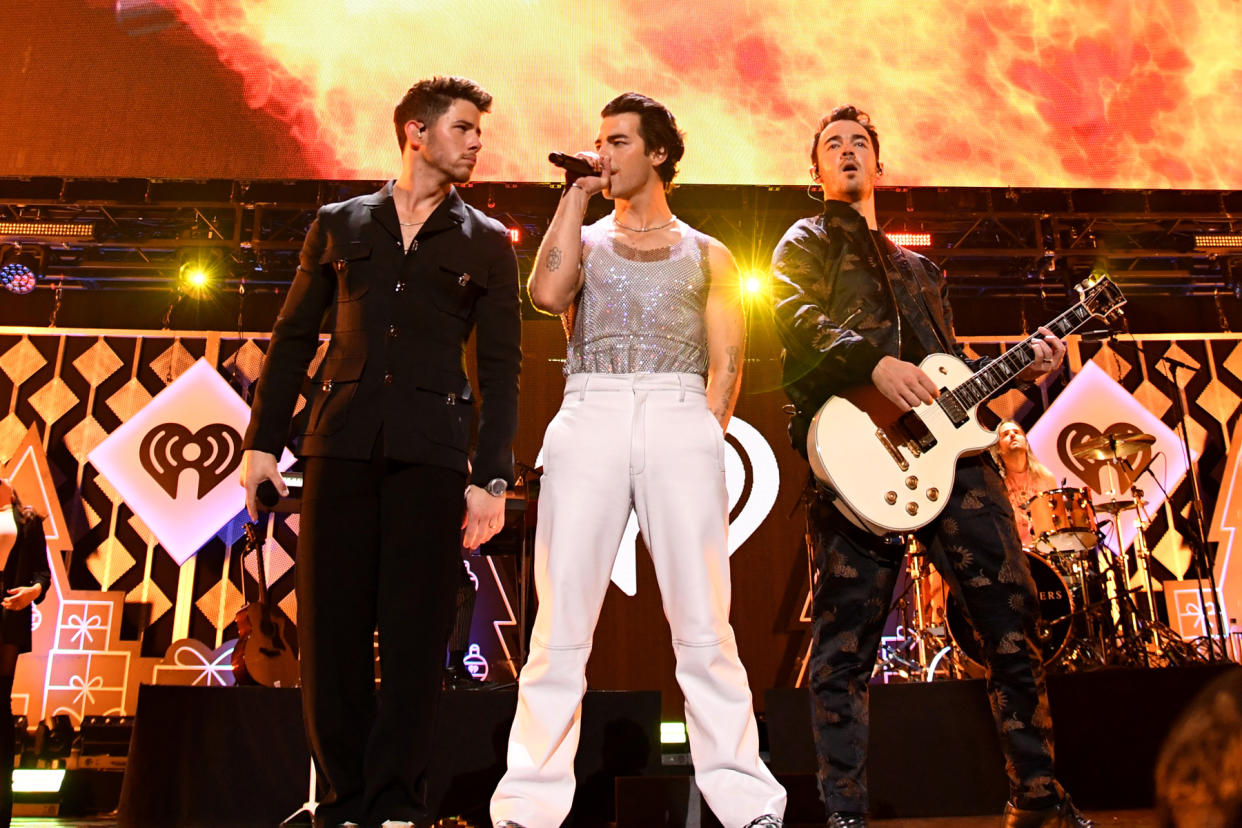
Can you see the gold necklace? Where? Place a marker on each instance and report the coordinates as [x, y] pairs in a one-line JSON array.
[[642, 229]]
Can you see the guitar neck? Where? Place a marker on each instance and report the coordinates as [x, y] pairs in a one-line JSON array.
[[987, 381], [255, 544], [258, 554]]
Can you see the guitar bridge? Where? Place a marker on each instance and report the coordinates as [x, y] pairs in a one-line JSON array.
[[891, 449], [918, 436]]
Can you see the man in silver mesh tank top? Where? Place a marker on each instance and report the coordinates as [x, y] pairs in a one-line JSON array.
[[656, 335]]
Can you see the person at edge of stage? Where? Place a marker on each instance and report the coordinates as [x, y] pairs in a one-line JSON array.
[[405, 274], [26, 577], [1025, 477], [853, 308], [653, 314]]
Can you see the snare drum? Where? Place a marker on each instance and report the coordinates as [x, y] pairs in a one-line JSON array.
[[1055, 605], [1062, 520]]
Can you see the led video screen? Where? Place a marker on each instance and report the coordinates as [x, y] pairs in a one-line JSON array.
[[1024, 93]]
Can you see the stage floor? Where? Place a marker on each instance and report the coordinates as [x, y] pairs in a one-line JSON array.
[[1103, 819]]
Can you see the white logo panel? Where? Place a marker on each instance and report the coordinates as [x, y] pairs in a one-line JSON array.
[[175, 461]]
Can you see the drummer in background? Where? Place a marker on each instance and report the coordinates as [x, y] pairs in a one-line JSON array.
[[1025, 476]]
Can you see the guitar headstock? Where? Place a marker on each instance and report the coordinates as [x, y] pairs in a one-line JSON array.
[[1101, 297], [253, 539]]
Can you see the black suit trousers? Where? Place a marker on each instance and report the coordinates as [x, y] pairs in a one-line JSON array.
[[974, 545], [379, 548]]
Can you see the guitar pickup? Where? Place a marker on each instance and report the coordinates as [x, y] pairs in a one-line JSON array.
[[952, 408], [919, 436]]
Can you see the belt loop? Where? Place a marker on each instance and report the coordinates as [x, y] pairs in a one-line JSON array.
[[681, 384], [586, 378]]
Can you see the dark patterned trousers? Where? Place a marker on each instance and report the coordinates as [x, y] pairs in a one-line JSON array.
[[975, 547]]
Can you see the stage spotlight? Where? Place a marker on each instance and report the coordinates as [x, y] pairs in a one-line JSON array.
[[908, 239], [1218, 241], [754, 283], [20, 268], [673, 733], [195, 278], [28, 230], [38, 780], [198, 271], [515, 235]]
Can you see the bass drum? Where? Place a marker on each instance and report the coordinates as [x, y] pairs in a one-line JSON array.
[[1052, 629]]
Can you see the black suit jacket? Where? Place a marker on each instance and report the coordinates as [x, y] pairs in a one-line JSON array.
[[27, 565], [399, 324]]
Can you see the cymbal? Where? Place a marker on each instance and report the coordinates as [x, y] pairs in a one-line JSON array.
[[1112, 446], [1114, 507]]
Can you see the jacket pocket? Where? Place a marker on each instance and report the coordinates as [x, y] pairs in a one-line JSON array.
[[444, 419], [345, 258], [336, 384], [455, 289]]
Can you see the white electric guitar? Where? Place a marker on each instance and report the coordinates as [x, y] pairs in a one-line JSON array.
[[893, 472]]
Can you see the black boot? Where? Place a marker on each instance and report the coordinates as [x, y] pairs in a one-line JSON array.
[[1061, 815]]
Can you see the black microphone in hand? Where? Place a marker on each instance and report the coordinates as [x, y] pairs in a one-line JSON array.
[[267, 495], [572, 165]]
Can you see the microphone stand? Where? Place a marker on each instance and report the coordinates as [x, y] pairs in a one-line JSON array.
[[1197, 534]]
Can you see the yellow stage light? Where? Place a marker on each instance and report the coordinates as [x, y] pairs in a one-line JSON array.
[[754, 282]]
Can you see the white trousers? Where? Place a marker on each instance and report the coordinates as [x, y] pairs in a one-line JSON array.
[[646, 442]]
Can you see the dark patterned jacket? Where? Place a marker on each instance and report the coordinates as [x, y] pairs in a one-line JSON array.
[[399, 323], [836, 295]]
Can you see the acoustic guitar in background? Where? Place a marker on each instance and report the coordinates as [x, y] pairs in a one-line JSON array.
[[267, 645]]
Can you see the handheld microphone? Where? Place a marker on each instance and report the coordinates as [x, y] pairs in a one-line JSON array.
[[269, 497], [572, 165]]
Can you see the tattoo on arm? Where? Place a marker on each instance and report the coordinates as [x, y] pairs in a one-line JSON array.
[[554, 259], [732, 351]]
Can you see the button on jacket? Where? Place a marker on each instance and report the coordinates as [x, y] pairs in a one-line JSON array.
[[399, 322]]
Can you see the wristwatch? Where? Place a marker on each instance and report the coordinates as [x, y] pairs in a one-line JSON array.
[[496, 487]]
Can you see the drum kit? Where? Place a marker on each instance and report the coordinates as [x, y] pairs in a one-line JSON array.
[[1088, 614]]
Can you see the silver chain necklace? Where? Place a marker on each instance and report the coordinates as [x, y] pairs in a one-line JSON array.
[[642, 229]]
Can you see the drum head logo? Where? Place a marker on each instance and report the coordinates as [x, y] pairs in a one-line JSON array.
[[213, 453], [175, 461], [1094, 471]]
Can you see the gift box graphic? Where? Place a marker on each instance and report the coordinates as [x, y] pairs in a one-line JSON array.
[[86, 684], [84, 625], [191, 662]]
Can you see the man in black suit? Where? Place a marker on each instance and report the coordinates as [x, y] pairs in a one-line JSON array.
[[403, 275]]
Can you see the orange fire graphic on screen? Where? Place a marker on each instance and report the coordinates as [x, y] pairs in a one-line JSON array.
[[1036, 93]]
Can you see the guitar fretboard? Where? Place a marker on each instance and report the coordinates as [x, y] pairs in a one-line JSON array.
[[1005, 367]]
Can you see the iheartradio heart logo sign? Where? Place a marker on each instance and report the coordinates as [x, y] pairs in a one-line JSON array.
[[175, 461], [1098, 473], [1094, 405]]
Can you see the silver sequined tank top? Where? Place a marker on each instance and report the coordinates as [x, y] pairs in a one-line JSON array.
[[640, 311]]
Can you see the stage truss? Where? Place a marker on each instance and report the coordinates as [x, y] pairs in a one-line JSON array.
[[136, 234]]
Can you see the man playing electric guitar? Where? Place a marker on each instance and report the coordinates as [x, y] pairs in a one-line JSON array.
[[853, 309]]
